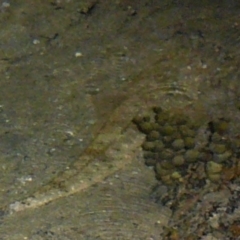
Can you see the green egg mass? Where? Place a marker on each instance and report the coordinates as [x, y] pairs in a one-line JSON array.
[[191, 155], [168, 130], [178, 160], [148, 146], [221, 126], [178, 144], [166, 154], [186, 131], [173, 147], [153, 135], [157, 110], [145, 127], [162, 118], [162, 171], [189, 142], [166, 164], [217, 148], [159, 146], [156, 126], [220, 158]]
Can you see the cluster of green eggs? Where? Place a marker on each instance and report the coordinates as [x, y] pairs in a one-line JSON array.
[[173, 148]]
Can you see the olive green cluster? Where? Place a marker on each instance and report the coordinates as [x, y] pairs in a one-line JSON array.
[[221, 149], [172, 147]]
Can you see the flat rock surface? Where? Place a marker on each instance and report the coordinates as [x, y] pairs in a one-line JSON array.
[[73, 75]]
